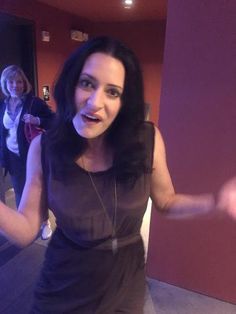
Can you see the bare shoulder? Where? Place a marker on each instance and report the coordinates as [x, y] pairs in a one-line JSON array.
[[158, 135]]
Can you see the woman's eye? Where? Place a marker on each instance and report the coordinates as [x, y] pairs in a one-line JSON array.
[[84, 83], [113, 93]]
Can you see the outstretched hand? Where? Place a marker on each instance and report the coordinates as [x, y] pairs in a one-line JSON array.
[[227, 198]]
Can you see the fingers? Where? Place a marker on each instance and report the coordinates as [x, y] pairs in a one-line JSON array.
[[28, 118]]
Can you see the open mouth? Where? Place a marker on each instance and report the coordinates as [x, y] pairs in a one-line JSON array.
[[90, 118]]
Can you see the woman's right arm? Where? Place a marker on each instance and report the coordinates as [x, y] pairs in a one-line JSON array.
[[21, 227]]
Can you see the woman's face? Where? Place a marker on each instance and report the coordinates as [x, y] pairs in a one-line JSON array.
[[98, 95], [15, 86]]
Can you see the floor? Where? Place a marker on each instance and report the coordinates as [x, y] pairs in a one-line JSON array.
[[162, 298], [167, 299]]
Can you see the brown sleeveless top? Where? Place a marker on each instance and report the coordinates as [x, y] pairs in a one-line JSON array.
[[79, 213], [80, 273]]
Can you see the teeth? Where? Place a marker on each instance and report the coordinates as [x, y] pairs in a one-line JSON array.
[[91, 117]]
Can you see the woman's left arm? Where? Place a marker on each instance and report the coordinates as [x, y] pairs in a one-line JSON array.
[[162, 191]]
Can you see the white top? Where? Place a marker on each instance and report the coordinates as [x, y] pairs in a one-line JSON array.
[[11, 126]]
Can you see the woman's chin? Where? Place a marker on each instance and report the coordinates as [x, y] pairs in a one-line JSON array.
[[90, 135]]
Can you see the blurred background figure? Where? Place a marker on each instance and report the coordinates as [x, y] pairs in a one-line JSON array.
[[19, 107]]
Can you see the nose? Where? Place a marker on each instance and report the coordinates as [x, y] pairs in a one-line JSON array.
[[96, 100]]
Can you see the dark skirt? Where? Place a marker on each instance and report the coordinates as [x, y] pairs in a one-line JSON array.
[[88, 281]]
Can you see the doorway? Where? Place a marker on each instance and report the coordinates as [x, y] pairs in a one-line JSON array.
[[17, 37]]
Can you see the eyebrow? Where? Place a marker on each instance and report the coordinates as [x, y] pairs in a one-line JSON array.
[[94, 79]]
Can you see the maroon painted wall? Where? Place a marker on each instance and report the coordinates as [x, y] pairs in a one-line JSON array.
[[49, 55], [146, 38], [198, 121]]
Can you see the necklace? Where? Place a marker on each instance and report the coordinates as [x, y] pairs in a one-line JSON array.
[[114, 243]]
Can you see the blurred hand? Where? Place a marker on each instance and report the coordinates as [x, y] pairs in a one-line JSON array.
[[227, 198], [29, 118]]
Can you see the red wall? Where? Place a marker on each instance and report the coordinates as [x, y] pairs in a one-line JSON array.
[[198, 121], [49, 55], [146, 38]]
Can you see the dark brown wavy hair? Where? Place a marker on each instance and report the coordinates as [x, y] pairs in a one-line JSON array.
[[124, 136]]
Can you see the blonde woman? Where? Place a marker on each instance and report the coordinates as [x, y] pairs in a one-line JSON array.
[[19, 107]]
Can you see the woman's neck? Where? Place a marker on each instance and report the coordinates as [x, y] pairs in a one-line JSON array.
[[97, 157], [13, 102], [14, 99], [96, 146]]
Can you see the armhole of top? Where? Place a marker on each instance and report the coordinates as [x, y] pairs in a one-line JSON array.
[[150, 140]]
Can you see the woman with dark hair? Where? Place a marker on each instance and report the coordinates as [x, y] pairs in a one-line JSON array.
[[96, 168], [19, 107]]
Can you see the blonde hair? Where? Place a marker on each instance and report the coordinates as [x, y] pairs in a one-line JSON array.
[[11, 72]]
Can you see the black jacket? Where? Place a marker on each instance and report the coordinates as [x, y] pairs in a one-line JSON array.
[[39, 109]]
